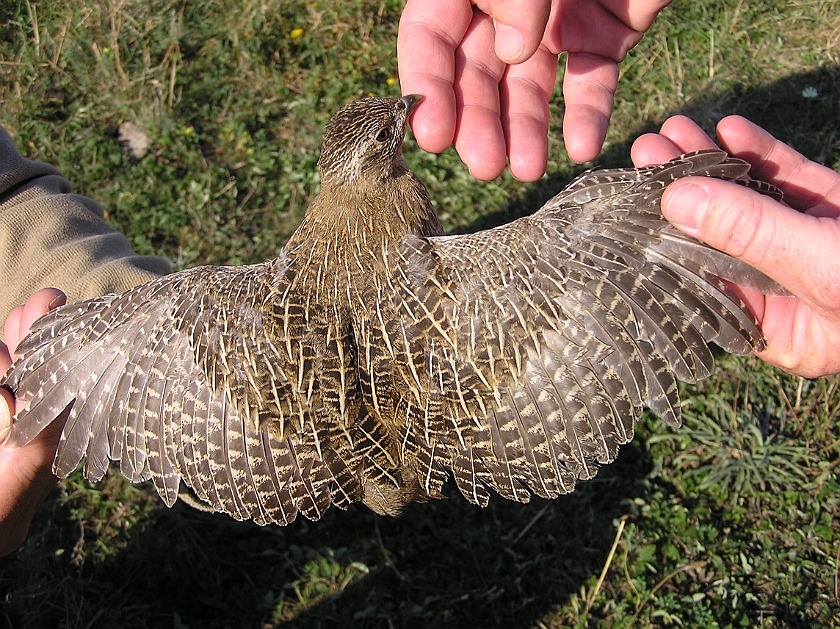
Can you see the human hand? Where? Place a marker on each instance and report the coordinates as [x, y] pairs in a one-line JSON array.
[[798, 249], [487, 87], [25, 474]]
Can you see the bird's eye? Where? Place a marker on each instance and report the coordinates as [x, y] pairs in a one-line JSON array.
[[384, 135]]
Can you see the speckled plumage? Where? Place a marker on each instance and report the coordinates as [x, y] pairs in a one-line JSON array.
[[375, 356]]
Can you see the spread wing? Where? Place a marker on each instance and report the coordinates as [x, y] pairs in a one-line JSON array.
[[193, 376], [521, 356]]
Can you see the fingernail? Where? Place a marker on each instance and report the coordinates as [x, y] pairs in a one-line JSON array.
[[509, 43], [686, 206], [58, 301]]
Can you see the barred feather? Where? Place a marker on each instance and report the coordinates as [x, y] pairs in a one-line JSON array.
[[375, 357]]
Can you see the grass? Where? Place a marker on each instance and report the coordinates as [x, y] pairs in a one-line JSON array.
[[733, 521]]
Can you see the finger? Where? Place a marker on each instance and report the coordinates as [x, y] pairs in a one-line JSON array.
[[39, 304], [652, 148], [589, 91], [637, 15], [678, 135], [11, 328], [7, 410], [806, 184], [479, 137], [790, 247], [5, 358], [800, 340], [519, 25], [429, 33], [525, 93], [7, 404], [686, 134], [589, 28]]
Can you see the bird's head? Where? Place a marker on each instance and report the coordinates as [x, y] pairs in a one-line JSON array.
[[363, 140]]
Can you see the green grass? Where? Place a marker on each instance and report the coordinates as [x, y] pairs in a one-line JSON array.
[[733, 521]]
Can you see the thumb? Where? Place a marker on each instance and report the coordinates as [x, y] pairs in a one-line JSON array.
[[520, 26], [784, 244]]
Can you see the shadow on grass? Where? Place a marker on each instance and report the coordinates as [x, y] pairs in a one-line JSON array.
[[447, 563]]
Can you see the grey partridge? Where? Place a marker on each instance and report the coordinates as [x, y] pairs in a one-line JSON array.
[[375, 357]]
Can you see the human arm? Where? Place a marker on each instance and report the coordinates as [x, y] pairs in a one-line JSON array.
[[488, 87], [52, 237], [796, 245]]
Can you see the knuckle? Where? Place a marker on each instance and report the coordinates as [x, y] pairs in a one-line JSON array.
[[740, 227]]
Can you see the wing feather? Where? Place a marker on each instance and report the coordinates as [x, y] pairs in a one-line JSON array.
[[169, 379], [547, 336], [516, 359]]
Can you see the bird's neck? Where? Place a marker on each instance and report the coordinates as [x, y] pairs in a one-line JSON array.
[[350, 235], [362, 220]]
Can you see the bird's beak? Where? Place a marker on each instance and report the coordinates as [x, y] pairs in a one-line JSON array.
[[411, 101]]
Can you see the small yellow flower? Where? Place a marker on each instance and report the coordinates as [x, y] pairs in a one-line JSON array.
[[188, 130], [296, 33], [391, 80], [106, 50]]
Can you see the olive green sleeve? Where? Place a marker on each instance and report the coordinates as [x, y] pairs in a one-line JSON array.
[[50, 237]]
